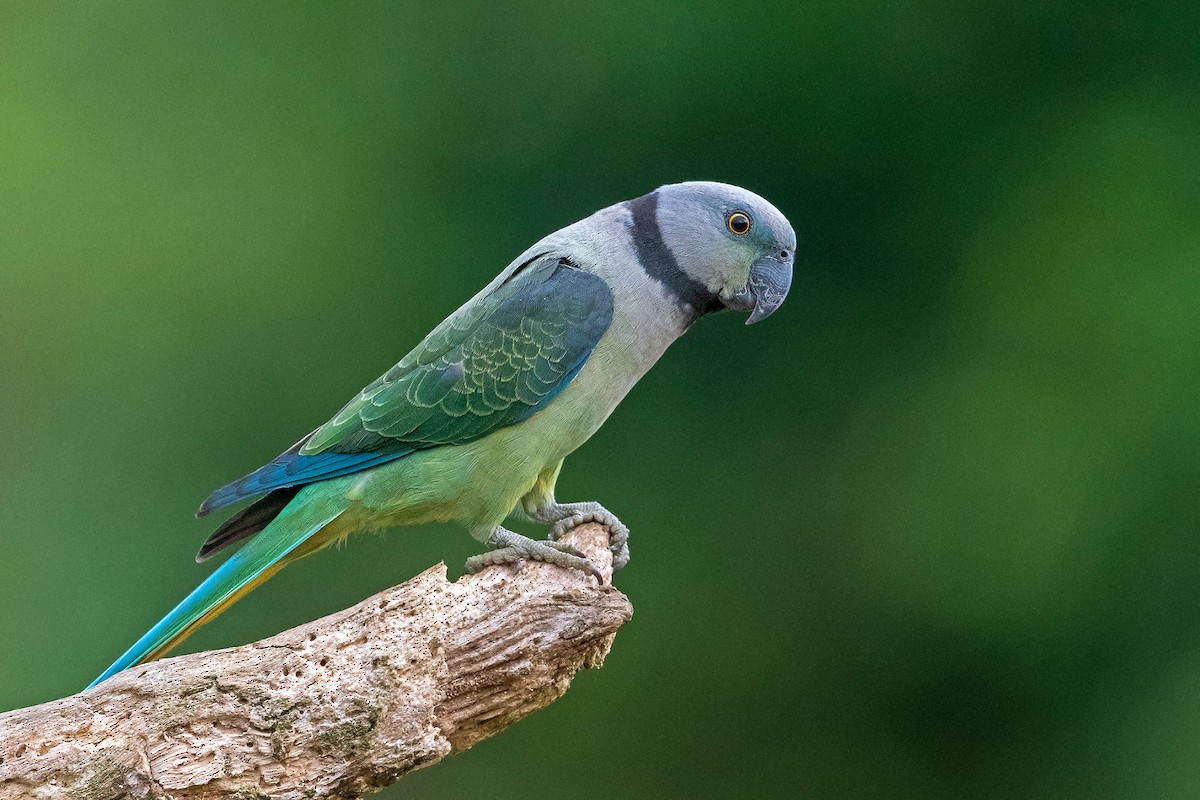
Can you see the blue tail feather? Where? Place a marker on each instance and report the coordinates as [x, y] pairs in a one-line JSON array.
[[292, 469], [246, 565]]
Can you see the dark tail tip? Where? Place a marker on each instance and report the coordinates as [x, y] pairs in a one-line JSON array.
[[247, 522], [221, 497]]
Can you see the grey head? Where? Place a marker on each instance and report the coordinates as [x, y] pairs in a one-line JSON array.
[[715, 246]]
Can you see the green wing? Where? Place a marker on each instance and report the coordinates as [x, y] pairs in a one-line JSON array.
[[494, 362]]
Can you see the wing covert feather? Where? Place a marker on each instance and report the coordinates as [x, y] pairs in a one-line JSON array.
[[493, 363]]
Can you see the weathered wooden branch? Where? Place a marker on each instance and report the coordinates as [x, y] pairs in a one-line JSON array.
[[334, 708]]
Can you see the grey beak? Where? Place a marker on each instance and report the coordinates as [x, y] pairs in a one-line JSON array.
[[770, 279]]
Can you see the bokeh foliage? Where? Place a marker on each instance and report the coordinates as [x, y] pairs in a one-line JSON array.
[[931, 531]]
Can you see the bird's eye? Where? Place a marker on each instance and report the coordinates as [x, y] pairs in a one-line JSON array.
[[738, 222]]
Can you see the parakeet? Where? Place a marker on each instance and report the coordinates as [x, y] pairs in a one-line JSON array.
[[475, 422]]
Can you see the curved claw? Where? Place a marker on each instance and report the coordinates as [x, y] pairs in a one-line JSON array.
[[576, 514], [512, 547], [621, 557], [566, 547]]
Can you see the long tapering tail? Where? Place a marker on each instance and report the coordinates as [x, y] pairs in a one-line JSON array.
[[257, 560]]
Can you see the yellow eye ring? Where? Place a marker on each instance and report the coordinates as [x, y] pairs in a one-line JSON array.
[[738, 223]]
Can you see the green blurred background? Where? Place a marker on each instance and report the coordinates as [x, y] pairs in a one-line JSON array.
[[931, 531]]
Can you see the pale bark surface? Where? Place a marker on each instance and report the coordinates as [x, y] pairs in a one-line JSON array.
[[334, 708]]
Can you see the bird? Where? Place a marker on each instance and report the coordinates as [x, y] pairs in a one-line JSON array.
[[474, 423]]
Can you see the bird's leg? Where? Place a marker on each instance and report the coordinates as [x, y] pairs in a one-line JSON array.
[[565, 516], [511, 547]]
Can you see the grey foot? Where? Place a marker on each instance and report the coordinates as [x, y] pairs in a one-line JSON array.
[[512, 547], [566, 516]]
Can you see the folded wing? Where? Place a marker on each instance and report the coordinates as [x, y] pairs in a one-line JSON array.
[[493, 363]]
